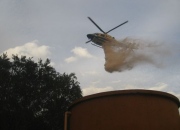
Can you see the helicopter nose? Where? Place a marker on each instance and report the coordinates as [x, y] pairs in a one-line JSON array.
[[90, 36]]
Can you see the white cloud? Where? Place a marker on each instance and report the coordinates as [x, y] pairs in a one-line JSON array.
[[81, 52], [159, 87], [78, 52], [70, 59], [92, 90], [30, 49]]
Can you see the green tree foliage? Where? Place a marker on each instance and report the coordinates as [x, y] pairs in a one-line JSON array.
[[33, 95]]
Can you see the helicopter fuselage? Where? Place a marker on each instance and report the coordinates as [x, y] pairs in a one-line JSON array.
[[100, 38]]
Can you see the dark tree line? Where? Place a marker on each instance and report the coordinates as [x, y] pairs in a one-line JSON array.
[[33, 96]]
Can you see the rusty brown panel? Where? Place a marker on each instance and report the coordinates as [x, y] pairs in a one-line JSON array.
[[126, 110]]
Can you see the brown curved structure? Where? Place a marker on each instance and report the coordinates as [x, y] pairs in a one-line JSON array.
[[125, 110]]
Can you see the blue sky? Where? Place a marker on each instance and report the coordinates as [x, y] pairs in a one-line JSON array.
[[57, 30]]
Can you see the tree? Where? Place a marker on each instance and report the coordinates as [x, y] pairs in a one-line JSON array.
[[33, 95]]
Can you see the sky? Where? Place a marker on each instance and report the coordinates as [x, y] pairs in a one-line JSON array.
[[57, 30]]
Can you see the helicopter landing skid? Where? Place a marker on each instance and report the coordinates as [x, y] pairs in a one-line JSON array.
[[96, 45]]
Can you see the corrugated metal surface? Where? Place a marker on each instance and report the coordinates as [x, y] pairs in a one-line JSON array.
[[125, 110]]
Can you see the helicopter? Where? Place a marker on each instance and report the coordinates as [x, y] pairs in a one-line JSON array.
[[100, 38]]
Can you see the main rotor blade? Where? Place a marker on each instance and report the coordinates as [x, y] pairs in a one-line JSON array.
[[117, 26], [96, 24]]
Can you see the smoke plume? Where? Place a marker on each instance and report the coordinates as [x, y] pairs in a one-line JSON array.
[[128, 53]]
